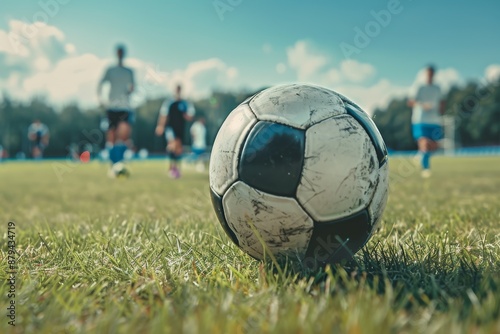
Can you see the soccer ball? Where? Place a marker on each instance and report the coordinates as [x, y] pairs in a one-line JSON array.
[[301, 172]]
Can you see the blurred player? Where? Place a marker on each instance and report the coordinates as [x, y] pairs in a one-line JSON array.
[[38, 135], [198, 141], [428, 107], [172, 122], [119, 112]]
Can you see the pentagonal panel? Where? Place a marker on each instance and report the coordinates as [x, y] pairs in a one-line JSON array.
[[272, 158], [297, 105], [338, 240], [219, 211], [372, 130], [227, 147], [377, 205], [278, 221], [340, 169]]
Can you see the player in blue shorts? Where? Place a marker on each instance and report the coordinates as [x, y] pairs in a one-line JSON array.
[[172, 123], [38, 134], [426, 119], [119, 112]]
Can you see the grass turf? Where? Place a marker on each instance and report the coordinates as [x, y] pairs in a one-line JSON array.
[[148, 255]]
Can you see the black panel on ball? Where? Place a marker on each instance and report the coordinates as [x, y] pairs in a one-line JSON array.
[[272, 158], [332, 242], [370, 127], [219, 211]]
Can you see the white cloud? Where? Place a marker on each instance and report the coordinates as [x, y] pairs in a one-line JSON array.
[[200, 77], [36, 59], [492, 72], [312, 65], [304, 60], [351, 77], [355, 71], [333, 77], [280, 68], [371, 97], [72, 79]]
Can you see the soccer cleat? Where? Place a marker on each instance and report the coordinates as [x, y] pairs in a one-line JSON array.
[[119, 170], [123, 173], [174, 173]]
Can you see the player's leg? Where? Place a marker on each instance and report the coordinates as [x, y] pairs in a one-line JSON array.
[[35, 152], [198, 158], [121, 136], [175, 155], [433, 133], [115, 142], [423, 147], [122, 140]]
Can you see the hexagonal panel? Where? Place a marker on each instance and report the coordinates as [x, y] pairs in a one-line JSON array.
[[379, 200], [255, 216], [227, 146], [337, 240], [340, 169], [297, 105], [372, 130], [219, 211], [272, 158]]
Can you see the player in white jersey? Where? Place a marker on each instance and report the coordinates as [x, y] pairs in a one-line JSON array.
[[199, 141], [38, 134], [119, 112], [428, 107]]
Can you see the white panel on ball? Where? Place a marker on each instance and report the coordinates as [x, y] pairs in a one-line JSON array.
[[283, 225], [299, 106], [227, 146], [379, 200], [340, 169]]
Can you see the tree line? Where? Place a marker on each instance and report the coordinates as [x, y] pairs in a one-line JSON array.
[[474, 107], [72, 127]]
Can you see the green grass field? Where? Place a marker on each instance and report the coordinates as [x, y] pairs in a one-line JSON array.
[[147, 255]]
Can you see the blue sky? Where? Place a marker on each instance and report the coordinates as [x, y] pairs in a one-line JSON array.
[[255, 42]]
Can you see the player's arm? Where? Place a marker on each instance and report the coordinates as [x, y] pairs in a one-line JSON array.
[[413, 101], [104, 79], [162, 118], [132, 82], [31, 133], [189, 114], [442, 107], [46, 136]]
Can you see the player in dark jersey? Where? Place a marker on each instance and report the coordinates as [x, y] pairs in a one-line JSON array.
[[172, 123]]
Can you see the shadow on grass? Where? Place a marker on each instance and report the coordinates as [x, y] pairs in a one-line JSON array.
[[445, 281]]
